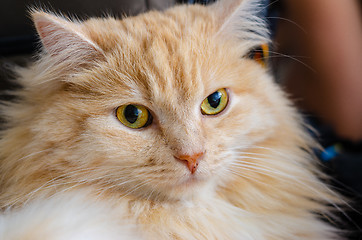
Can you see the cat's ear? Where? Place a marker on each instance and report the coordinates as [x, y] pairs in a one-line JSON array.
[[62, 37], [241, 19]]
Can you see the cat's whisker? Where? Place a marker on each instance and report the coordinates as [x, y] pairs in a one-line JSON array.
[[245, 175], [76, 175], [30, 195], [251, 148], [254, 165], [135, 188], [284, 155], [265, 158], [242, 158], [150, 193], [263, 171], [32, 154], [68, 189], [129, 191], [289, 21], [242, 153], [272, 150], [294, 56], [294, 59], [117, 184], [271, 172], [86, 180]]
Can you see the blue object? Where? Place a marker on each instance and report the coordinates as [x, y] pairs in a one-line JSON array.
[[330, 152]]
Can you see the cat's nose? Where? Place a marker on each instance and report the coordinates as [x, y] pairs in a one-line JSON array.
[[192, 161]]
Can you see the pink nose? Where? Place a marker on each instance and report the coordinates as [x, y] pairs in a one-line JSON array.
[[192, 161]]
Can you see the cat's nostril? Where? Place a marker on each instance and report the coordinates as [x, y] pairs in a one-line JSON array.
[[191, 161]]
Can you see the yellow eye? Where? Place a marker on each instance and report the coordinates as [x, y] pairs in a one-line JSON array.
[[260, 54], [215, 103], [134, 116]]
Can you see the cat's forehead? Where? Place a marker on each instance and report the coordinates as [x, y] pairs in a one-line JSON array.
[[160, 55], [172, 26]]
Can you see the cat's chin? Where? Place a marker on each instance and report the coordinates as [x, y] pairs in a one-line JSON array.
[[190, 186], [192, 180]]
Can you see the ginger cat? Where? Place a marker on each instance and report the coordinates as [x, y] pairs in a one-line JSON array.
[[166, 125]]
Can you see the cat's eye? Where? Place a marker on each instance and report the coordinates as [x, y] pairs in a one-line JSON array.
[[260, 54], [215, 103], [134, 116]]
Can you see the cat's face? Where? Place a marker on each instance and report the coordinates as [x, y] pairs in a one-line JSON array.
[[171, 66], [173, 86]]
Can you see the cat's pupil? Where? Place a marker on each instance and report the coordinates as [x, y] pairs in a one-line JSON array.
[[131, 113], [214, 99]]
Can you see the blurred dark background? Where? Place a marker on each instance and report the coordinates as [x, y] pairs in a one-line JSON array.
[[17, 33]]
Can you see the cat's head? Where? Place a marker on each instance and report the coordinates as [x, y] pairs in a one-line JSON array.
[[158, 105]]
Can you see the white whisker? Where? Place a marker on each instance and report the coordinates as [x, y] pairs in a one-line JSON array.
[[295, 59]]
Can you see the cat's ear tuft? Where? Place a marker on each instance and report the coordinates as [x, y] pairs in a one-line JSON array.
[[242, 19], [62, 37]]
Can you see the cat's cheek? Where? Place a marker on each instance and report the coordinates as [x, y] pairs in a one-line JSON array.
[[116, 142], [250, 120]]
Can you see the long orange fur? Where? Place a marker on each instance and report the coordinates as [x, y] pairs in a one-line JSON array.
[[256, 180]]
